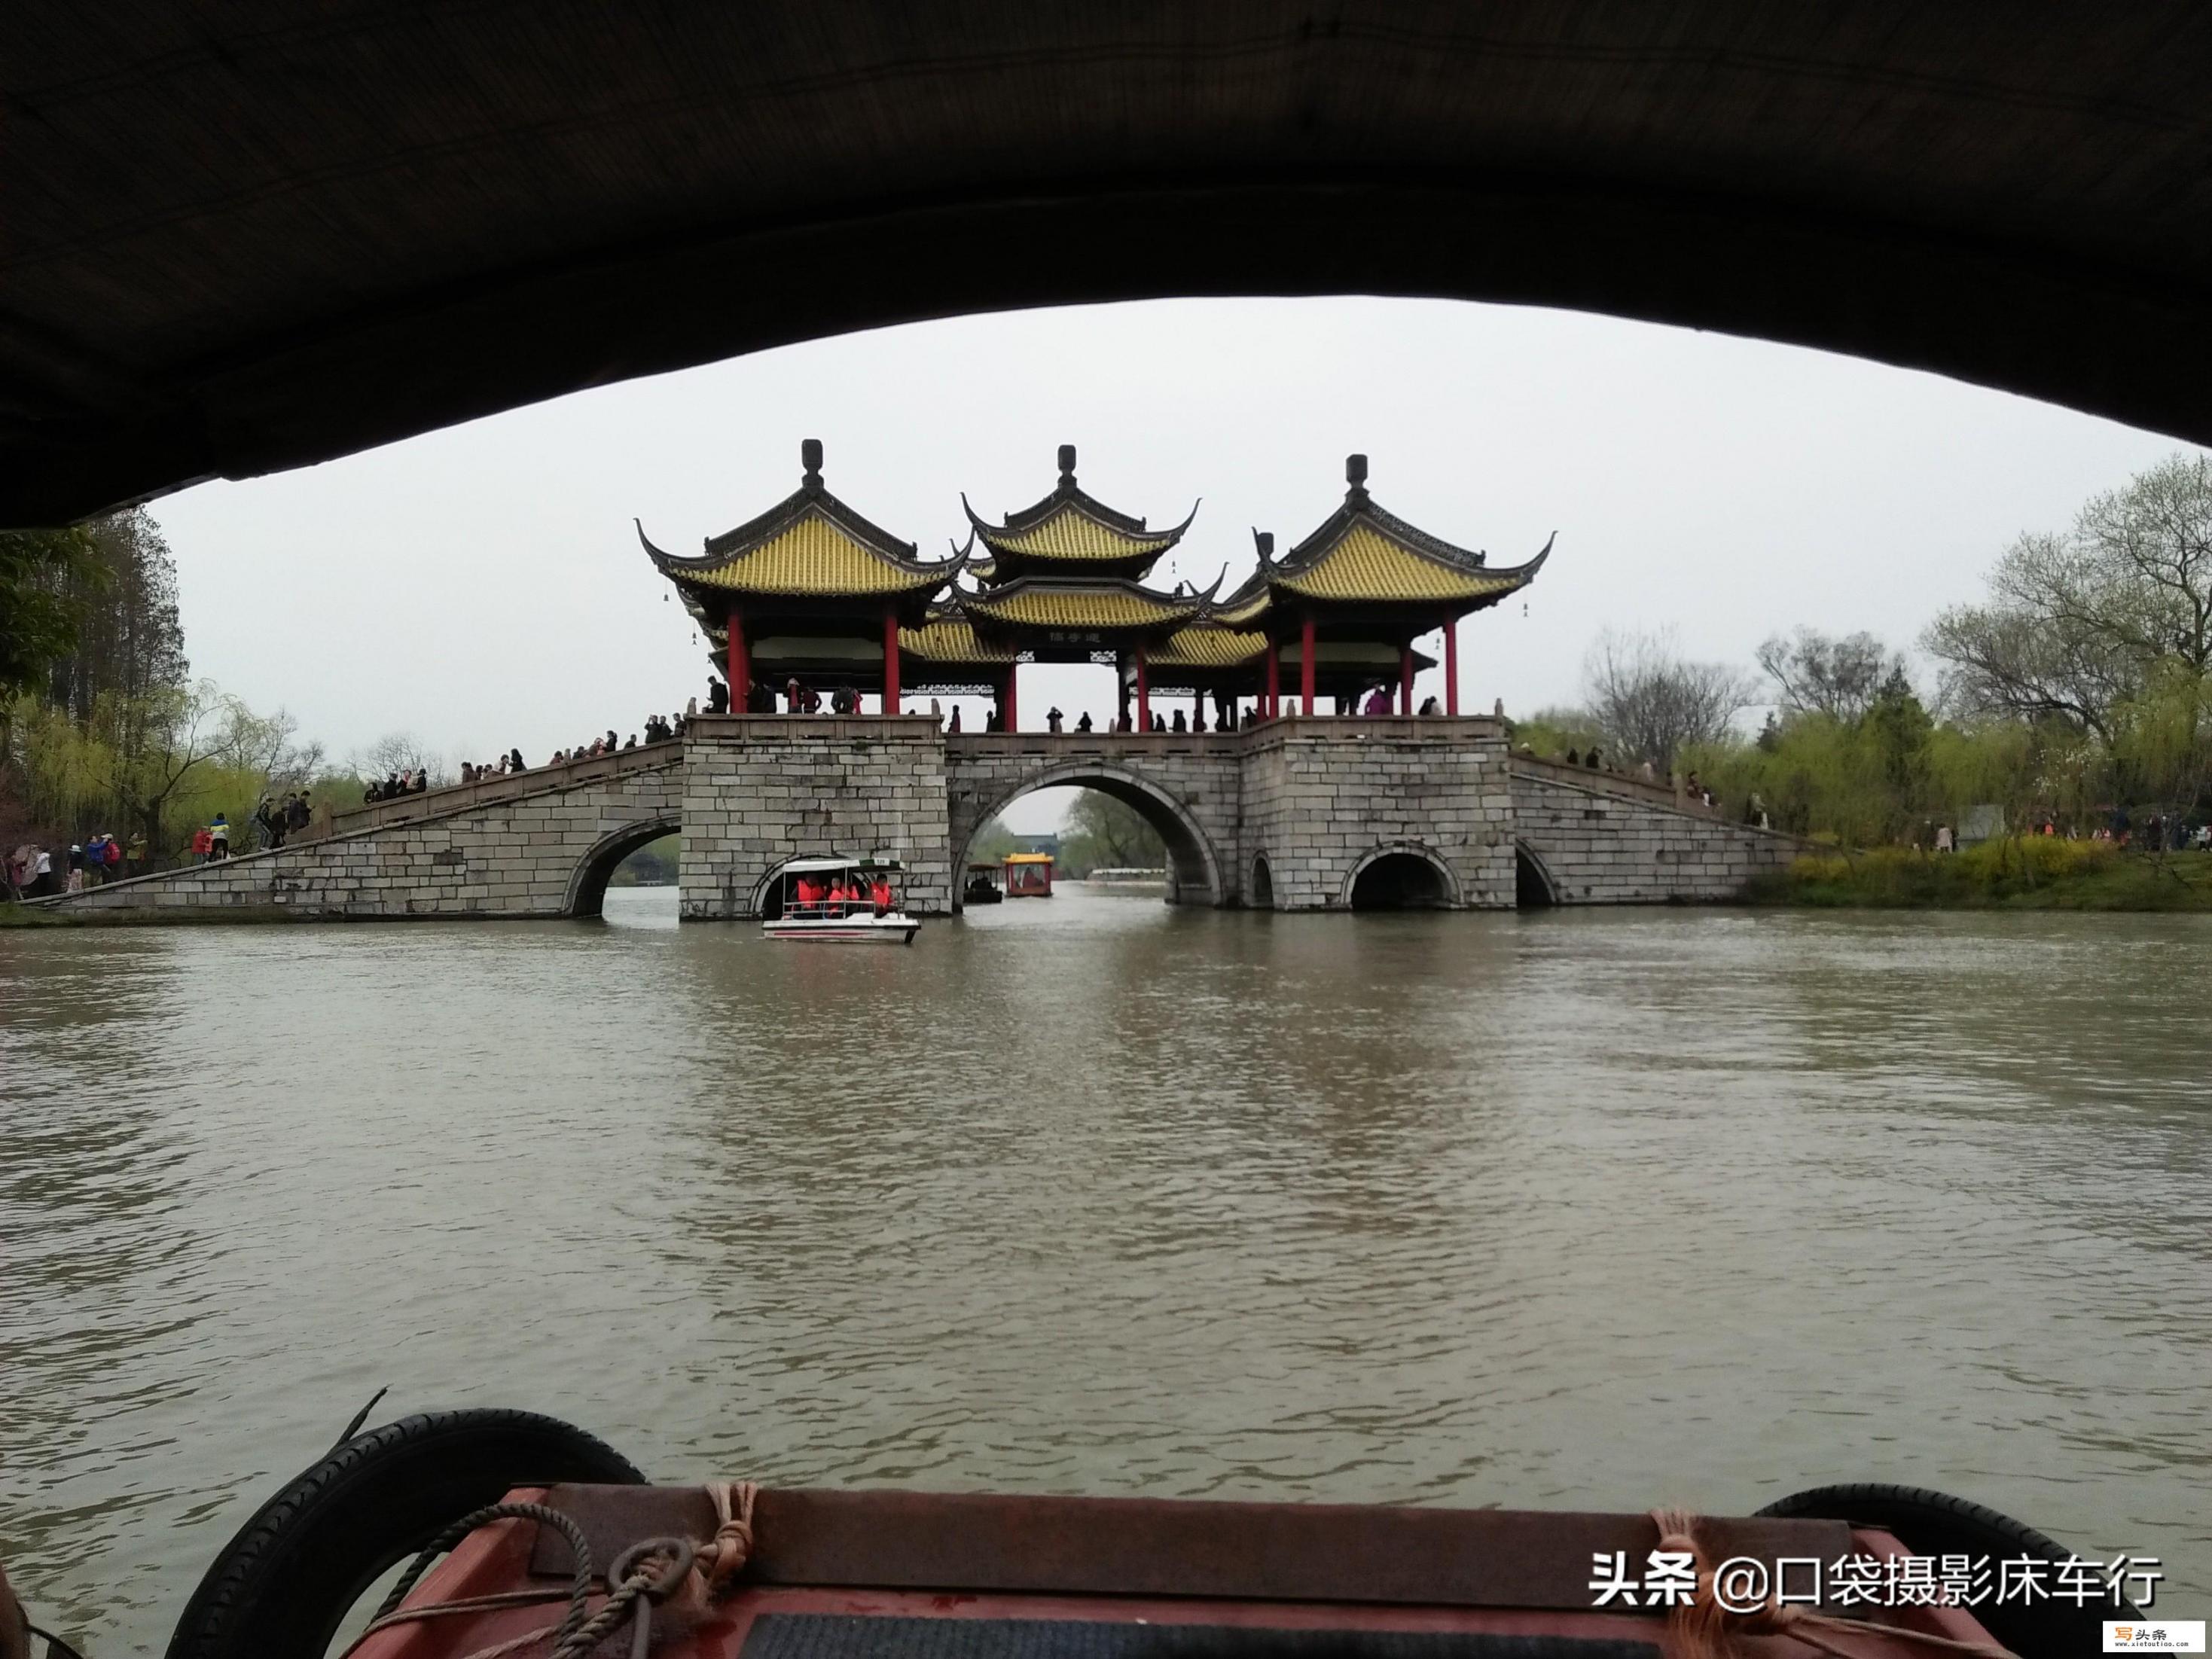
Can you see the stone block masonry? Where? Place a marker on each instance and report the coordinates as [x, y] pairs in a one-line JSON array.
[[759, 789], [534, 844], [1324, 797], [1595, 838]]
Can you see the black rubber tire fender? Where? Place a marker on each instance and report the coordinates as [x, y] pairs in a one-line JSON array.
[[283, 1585], [1930, 1523]]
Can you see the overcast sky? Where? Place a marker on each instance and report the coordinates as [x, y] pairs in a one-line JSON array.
[[482, 587]]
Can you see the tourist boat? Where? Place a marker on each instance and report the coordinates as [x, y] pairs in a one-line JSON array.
[[529, 1537], [1029, 875], [846, 921], [982, 886]]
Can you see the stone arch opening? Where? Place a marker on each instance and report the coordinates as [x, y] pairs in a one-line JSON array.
[[1193, 868], [1262, 895], [1533, 887], [1402, 877], [588, 886]]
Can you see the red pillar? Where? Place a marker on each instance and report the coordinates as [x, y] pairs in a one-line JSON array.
[[1144, 695], [1271, 704], [1451, 666], [1406, 678], [1011, 716], [739, 671], [1306, 664], [890, 662]]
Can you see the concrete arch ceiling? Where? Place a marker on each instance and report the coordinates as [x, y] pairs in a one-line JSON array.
[[247, 236]]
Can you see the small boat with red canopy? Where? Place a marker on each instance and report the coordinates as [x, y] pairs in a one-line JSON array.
[[534, 1539], [849, 901], [1028, 875]]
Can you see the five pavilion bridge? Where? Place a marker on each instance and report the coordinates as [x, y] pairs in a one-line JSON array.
[[1298, 813], [1278, 806]]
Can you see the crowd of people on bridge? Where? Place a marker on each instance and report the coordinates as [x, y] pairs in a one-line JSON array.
[[410, 781], [276, 822], [508, 764], [35, 872], [1229, 714]]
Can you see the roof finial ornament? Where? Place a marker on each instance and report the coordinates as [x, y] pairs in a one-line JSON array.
[[1355, 474], [1265, 541], [1067, 466], [810, 457]]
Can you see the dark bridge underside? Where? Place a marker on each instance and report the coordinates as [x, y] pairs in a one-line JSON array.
[[244, 237]]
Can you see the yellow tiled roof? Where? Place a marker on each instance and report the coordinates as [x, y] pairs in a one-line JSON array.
[[813, 556], [1367, 565], [1207, 648], [1073, 535], [1106, 607], [1251, 611], [947, 640]]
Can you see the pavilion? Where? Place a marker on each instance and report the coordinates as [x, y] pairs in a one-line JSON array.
[[812, 593], [1063, 580], [808, 591], [1344, 606]]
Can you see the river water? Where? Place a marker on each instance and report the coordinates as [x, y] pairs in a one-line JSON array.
[[1090, 1195]]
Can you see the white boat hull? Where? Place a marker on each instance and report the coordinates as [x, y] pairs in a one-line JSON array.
[[895, 928]]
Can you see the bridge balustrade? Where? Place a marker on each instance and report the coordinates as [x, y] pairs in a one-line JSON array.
[[458, 797]]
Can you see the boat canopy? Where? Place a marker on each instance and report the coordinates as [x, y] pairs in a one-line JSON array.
[[830, 866]]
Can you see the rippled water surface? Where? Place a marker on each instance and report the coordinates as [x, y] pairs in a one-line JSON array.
[[1580, 1210]]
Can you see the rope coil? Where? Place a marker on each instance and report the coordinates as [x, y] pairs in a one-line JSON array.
[[670, 1570]]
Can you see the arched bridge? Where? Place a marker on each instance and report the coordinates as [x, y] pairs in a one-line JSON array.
[[540, 843], [1298, 814]]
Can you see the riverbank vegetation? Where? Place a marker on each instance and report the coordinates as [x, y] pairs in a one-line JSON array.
[[2026, 872], [2071, 707], [104, 729]]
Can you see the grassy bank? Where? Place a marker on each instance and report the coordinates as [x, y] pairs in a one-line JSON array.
[[239, 916], [2031, 873], [22, 915]]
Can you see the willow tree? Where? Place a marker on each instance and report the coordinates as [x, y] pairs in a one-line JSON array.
[[1104, 833]]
